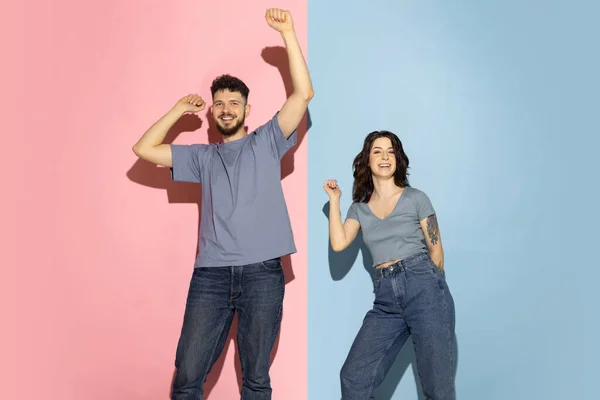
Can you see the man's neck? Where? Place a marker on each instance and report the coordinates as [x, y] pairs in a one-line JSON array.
[[236, 136]]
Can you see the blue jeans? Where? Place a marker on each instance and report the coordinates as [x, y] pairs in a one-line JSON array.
[[411, 298], [256, 292]]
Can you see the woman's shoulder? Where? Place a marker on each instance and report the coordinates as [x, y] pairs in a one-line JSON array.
[[415, 193], [359, 208], [358, 205]]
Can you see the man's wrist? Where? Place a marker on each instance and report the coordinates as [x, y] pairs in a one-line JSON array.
[[288, 33], [178, 109]]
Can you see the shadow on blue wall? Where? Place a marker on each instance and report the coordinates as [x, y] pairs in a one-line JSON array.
[[340, 264]]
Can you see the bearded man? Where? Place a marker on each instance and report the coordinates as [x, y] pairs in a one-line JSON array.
[[245, 227]]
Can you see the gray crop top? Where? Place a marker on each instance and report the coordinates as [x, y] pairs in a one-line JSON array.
[[399, 235]]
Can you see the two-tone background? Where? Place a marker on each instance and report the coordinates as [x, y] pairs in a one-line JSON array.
[[497, 106]]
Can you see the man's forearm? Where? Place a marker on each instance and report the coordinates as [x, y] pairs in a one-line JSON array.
[[298, 68], [156, 134]]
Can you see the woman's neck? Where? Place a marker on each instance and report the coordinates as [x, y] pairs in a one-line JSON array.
[[385, 188]]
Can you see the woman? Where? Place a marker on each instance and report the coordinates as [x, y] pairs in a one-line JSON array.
[[400, 230]]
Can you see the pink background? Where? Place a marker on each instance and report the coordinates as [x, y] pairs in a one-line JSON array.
[[102, 246]]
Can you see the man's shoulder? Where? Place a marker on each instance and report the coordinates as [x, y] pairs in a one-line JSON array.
[[270, 123]]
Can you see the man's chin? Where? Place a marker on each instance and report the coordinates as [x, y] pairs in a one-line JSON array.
[[226, 133], [229, 131]]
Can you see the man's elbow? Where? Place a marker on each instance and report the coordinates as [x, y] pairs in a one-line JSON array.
[[136, 149], [306, 95], [142, 152], [139, 151], [309, 95]]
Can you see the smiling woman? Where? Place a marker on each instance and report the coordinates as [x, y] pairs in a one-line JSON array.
[[496, 105], [411, 294], [380, 148]]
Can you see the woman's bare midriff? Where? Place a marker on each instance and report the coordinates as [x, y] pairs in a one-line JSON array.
[[387, 264]]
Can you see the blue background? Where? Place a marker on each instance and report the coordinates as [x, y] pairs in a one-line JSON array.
[[495, 104]]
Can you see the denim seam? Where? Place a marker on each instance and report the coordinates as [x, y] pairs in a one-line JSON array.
[[274, 333], [372, 384], [448, 329], [448, 323], [213, 353]]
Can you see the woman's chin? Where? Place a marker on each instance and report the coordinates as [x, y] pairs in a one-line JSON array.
[[383, 174]]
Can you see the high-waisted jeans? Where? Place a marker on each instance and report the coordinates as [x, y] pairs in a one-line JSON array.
[[411, 299]]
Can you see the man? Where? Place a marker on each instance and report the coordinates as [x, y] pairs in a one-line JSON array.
[[245, 227]]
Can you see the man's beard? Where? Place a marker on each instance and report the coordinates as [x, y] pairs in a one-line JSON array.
[[232, 130]]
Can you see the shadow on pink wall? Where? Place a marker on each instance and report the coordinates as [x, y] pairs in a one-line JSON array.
[[147, 174]]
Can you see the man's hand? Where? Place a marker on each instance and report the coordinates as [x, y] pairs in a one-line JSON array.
[[280, 20], [192, 103], [150, 147]]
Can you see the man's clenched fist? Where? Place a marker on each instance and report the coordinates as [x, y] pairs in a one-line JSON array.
[[280, 20], [191, 103]]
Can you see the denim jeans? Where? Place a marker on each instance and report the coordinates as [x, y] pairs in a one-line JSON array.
[[256, 293], [411, 299]]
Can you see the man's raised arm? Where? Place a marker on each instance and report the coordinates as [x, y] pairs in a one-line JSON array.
[[293, 109], [150, 147]]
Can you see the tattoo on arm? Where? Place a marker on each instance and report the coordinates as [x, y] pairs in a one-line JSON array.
[[432, 229]]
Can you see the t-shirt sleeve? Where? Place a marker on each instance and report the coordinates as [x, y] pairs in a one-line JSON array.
[[353, 212], [276, 141], [424, 206], [187, 162]]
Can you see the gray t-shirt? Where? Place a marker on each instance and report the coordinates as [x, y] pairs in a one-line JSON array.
[[398, 235], [244, 217]]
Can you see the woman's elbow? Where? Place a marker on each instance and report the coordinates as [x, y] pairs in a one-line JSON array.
[[338, 247]]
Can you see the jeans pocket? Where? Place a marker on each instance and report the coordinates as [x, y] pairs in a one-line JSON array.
[[422, 268], [273, 264], [440, 271]]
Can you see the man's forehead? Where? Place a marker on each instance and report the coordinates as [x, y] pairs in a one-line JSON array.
[[225, 95]]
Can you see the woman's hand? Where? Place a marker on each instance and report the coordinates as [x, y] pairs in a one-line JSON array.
[[332, 189]]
